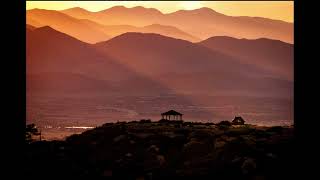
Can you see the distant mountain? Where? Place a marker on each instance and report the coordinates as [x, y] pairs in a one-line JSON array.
[[66, 24], [91, 31], [210, 23], [145, 73], [29, 27], [169, 31], [203, 23], [52, 55], [163, 63], [77, 11], [272, 55], [115, 30], [118, 15], [33, 22], [189, 67]]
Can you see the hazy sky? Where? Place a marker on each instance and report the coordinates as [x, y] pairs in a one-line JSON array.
[[282, 10]]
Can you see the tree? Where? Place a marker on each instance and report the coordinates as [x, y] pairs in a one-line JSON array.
[[31, 130], [224, 125]]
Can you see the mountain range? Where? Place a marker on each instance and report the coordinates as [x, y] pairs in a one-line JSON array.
[[187, 59], [192, 25], [161, 60]]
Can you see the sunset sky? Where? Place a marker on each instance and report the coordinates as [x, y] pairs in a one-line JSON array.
[[281, 10]]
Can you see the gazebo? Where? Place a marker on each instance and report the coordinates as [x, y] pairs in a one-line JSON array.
[[238, 120], [167, 115]]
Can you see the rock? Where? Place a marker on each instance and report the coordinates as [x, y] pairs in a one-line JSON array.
[[143, 135], [161, 159], [201, 134], [119, 138], [271, 155], [194, 149], [219, 144], [237, 160], [224, 137], [248, 166], [107, 173], [228, 139], [153, 161], [128, 155], [153, 149]]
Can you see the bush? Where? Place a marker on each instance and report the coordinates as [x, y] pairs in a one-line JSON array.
[[164, 121], [223, 127], [209, 124], [224, 123], [145, 121], [31, 130], [277, 129]]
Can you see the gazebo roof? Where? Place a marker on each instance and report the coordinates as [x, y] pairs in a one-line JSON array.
[[171, 112], [238, 118]]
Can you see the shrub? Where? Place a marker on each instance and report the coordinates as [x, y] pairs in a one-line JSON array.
[[208, 124], [277, 129], [164, 121], [224, 123], [31, 130], [145, 121]]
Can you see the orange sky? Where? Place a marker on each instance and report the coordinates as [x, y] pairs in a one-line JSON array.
[[281, 10]]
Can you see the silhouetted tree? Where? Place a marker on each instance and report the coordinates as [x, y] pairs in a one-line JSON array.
[[224, 125], [31, 130]]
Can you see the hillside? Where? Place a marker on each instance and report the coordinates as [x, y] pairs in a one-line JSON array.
[[66, 24], [173, 61], [164, 149], [272, 55]]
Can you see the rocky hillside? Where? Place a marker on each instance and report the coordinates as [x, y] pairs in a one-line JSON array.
[[175, 149]]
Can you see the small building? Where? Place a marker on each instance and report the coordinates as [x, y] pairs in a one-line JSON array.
[[171, 115], [238, 121]]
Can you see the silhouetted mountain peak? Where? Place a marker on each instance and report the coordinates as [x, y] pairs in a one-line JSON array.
[[137, 36], [47, 31], [149, 9], [77, 9], [133, 35], [123, 9], [46, 28], [114, 8], [202, 11], [220, 38], [42, 12], [230, 39], [206, 9], [30, 27]]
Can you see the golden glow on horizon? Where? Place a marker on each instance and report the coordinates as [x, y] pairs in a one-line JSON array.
[[189, 5], [281, 10]]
